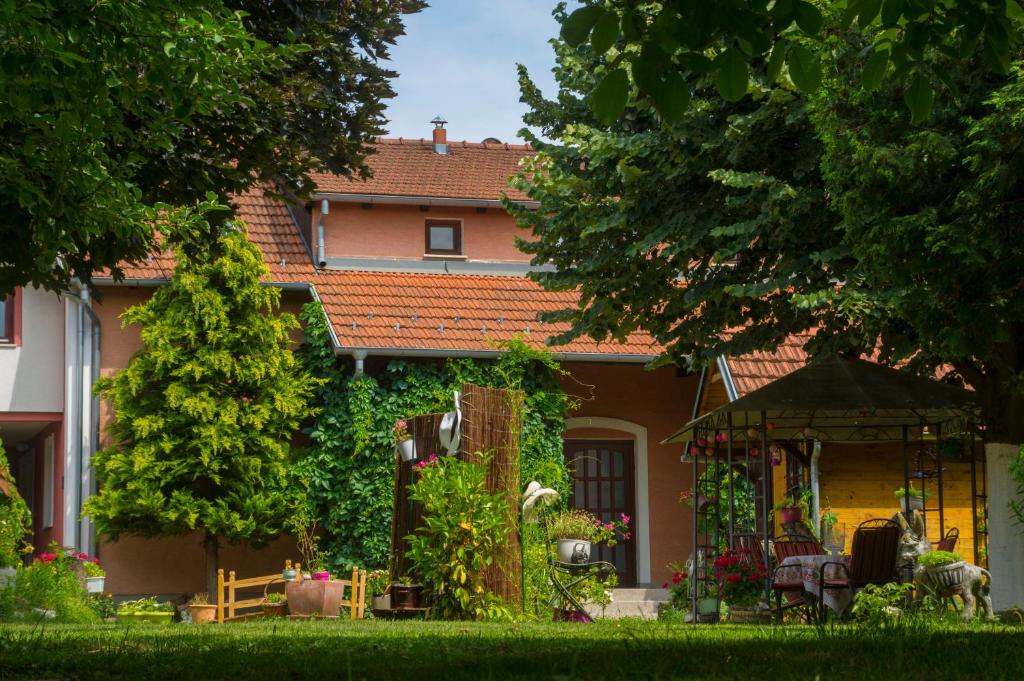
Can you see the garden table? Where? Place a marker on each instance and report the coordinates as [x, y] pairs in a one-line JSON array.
[[837, 600]]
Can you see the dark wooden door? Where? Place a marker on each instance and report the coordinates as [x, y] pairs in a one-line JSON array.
[[604, 483]]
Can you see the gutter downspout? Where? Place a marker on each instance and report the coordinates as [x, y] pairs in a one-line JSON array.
[[816, 483], [84, 537], [359, 356], [321, 249]]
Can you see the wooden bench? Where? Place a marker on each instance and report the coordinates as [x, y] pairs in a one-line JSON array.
[[228, 605]]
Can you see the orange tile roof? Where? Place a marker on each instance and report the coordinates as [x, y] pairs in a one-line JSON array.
[[270, 227], [758, 369], [470, 170], [399, 311]]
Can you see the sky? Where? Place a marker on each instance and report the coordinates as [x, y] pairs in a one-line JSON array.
[[458, 60]]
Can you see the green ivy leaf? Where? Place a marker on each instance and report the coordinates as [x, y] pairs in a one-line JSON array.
[[577, 26], [804, 68], [731, 75], [609, 98], [920, 98]]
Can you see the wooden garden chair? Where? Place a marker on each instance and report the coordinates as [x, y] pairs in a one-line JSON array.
[[784, 584], [948, 543], [876, 544]]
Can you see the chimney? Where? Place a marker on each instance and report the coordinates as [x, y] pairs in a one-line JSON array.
[[440, 136]]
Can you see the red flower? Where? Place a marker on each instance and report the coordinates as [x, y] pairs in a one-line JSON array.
[[95, 561], [733, 578], [754, 577], [82, 556], [47, 557], [665, 585]]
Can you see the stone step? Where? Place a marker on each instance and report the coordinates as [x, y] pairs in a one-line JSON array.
[[634, 595], [640, 602]]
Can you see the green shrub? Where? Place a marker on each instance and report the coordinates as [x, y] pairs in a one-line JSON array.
[[937, 558], [142, 605], [15, 520], [51, 586], [463, 529], [349, 468], [880, 604]]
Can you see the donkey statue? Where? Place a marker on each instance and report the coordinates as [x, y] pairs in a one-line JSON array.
[[975, 585]]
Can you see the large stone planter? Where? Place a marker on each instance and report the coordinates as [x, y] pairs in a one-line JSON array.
[[947, 577], [94, 585], [740, 614], [309, 597]]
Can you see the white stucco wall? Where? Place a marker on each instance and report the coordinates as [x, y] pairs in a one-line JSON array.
[[32, 374]]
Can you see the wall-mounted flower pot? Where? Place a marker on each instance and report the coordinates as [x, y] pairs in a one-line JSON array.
[[573, 551], [94, 585], [791, 515], [202, 614], [310, 597], [407, 450], [406, 596]]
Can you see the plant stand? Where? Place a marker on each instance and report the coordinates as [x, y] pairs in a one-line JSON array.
[[308, 598]]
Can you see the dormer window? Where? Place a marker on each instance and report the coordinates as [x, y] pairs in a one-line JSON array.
[[444, 237]]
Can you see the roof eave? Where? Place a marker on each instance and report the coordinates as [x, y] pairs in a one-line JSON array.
[[411, 200]]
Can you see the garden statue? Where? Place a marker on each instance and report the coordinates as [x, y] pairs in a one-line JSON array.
[[974, 582]]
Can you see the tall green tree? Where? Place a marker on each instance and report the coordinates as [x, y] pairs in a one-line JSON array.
[[205, 412], [107, 108], [743, 222]]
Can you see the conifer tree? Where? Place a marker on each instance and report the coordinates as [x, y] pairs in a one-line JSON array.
[[205, 411]]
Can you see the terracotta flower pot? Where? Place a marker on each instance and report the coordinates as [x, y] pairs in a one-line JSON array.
[[309, 597], [202, 614], [322, 576]]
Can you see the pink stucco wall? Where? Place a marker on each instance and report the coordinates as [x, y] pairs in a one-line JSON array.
[[660, 400], [382, 231]]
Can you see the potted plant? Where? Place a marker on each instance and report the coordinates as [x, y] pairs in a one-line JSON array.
[[406, 594], [378, 583], [678, 588], [95, 576], [740, 584], [790, 509], [201, 610], [403, 441], [944, 568], [573, 531], [146, 610], [912, 499], [275, 605]]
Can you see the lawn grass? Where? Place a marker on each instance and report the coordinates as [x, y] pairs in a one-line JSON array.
[[437, 650]]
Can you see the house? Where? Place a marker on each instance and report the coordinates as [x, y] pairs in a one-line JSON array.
[[420, 261]]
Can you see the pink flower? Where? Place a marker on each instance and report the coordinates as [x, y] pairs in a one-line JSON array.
[[95, 561], [609, 526], [421, 464], [433, 458], [47, 557], [625, 519], [82, 556]]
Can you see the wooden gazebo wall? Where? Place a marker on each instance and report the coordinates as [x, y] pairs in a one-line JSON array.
[[491, 423]]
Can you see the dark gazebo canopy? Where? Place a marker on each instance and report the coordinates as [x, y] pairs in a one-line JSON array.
[[841, 399]]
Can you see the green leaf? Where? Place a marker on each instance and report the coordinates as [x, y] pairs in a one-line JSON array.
[[892, 10], [808, 17], [608, 100], [577, 26], [671, 96], [868, 11], [920, 98], [168, 48], [731, 75], [697, 62], [874, 70], [630, 25], [606, 31], [804, 68], [775, 61]]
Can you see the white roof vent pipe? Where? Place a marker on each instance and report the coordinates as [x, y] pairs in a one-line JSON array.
[[440, 135], [321, 249]]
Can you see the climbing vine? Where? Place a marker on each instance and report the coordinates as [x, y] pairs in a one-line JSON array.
[[349, 467]]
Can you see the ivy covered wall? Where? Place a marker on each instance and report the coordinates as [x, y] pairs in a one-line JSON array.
[[349, 466]]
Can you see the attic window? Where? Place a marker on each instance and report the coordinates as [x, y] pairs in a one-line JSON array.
[[443, 237]]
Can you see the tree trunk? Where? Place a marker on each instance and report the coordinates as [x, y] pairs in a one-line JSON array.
[[1005, 538], [211, 548]]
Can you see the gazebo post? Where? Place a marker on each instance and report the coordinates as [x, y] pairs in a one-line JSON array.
[[974, 495], [765, 486], [938, 466], [728, 459], [906, 474]]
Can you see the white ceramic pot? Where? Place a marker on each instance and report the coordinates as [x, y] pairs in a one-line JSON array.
[[916, 503], [94, 585], [573, 551], [407, 450]]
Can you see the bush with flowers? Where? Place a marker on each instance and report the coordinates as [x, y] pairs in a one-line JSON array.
[[740, 580], [15, 519], [678, 587], [52, 587]]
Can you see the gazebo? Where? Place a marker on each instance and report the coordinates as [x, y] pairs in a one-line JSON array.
[[832, 399]]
